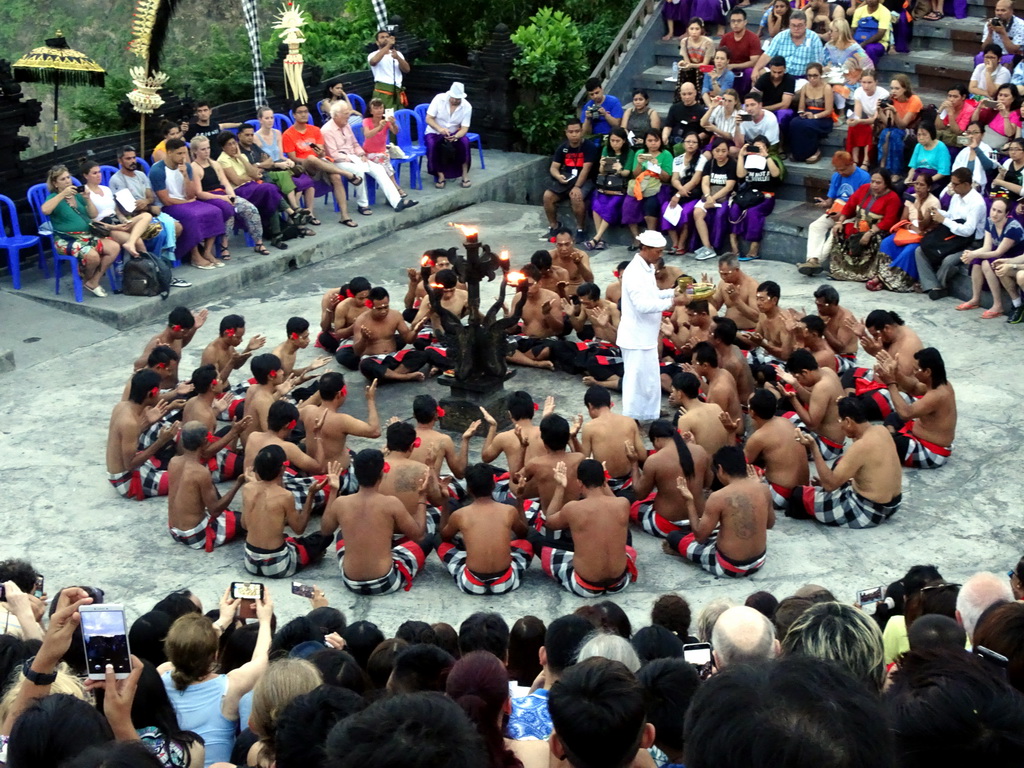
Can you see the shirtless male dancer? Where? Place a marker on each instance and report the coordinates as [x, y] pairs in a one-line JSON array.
[[338, 426], [552, 278], [132, 472], [691, 324], [604, 437], [924, 429], [720, 386], [864, 488], [773, 446], [659, 508], [812, 405], [297, 331], [730, 538], [809, 334], [771, 341], [267, 507], [491, 551], [282, 418], [339, 309], [730, 358], [536, 484], [838, 333], [164, 360], [541, 319], [375, 341], [372, 562], [404, 475], [181, 329], [222, 453], [737, 292], [613, 291], [602, 563], [271, 384], [882, 331], [521, 410], [222, 351], [430, 442], [197, 516], [702, 420], [574, 261]]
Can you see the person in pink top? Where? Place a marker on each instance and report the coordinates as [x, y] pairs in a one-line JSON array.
[[349, 156], [377, 132]]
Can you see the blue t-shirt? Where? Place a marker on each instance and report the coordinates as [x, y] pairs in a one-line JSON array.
[[1012, 230], [724, 82], [843, 187], [158, 175], [529, 718], [611, 105], [936, 158]]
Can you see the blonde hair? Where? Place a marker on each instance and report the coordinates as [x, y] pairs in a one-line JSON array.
[[843, 34], [55, 173], [191, 646], [842, 634], [66, 682], [196, 144], [285, 680]]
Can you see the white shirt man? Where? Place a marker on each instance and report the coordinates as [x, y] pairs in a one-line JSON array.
[[765, 123], [642, 305], [387, 63], [965, 219], [448, 117]]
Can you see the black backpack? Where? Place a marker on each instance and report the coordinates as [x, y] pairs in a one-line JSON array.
[[147, 275]]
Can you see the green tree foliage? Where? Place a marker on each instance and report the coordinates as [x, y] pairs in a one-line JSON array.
[[550, 68]]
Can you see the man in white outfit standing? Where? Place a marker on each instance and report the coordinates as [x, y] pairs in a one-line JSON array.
[[642, 305]]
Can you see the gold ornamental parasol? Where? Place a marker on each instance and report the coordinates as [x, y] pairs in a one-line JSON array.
[[58, 63]]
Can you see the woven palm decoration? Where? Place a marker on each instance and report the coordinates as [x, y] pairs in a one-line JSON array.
[[290, 22]]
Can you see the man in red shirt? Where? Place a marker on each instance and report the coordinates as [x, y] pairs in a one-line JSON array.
[[744, 48], [304, 144]]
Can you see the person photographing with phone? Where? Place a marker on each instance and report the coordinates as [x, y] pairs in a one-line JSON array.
[[1005, 30], [389, 67]]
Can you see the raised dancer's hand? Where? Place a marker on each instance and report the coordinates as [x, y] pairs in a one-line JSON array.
[[471, 429], [559, 475], [684, 489], [491, 422]]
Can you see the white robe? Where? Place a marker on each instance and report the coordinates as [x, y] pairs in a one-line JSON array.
[[642, 305]]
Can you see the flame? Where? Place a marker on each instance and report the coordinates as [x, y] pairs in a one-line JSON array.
[[503, 256], [515, 278], [426, 261], [465, 230], [437, 286]]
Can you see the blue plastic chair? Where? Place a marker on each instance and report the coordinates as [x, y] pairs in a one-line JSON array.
[[357, 103], [106, 172], [36, 197], [406, 118], [473, 138], [282, 122], [254, 123], [16, 242], [142, 164]]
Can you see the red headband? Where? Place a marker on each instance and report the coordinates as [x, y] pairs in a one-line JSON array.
[[272, 374], [177, 328], [229, 331], [536, 407], [616, 273], [369, 304], [154, 392], [348, 293], [417, 443], [387, 467], [344, 390], [295, 336], [440, 412], [606, 475], [291, 425]]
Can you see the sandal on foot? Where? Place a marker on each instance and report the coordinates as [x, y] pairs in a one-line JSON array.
[[261, 249], [348, 223], [991, 314], [466, 183], [364, 210], [601, 245], [966, 305], [439, 184], [355, 181], [314, 221], [590, 245], [225, 254], [280, 244]]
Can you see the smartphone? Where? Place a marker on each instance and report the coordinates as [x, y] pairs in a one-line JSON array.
[[870, 596], [247, 592], [996, 22], [302, 590], [38, 590], [697, 654], [746, 117], [963, 140], [80, 189], [3, 594], [105, 636], [389, 113], [988, 104], [991, 656]]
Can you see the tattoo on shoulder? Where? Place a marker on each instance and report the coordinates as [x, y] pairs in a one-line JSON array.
[[408, 480]]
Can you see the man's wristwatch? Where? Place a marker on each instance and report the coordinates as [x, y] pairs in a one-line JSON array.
[[37, 678]]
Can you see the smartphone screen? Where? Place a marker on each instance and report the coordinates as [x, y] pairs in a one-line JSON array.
[[38, 589], [303, 590], [697, 654], [246, 590], [866, 597], [105, 635]]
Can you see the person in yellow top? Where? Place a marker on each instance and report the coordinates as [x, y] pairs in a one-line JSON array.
[[170, 131], [872, 28], [248, 183]]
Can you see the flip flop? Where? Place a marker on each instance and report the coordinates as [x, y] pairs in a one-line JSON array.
[[355, 181], [348, 223], [314, 221], [261, 250], [439, 185], [991, 314], [966, 305], [466, 183]]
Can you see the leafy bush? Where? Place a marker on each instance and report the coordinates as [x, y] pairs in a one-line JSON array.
[[338, 44], [550, 68]]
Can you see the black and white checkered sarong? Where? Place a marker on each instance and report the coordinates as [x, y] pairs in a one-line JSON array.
[[454, 558], [843, 506], [251, 16]]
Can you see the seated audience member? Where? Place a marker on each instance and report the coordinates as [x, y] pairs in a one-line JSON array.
[[304, 144], [213, 188], [924, 429], [374, 342], [872, 28], [897, 266], [175, 185], [936, 632], [479, 560], [525, 640], [989, 74], [410, 730], [695, 51], [813, 119], [598, 523], [866, 114], [844, 55], [893, 120], [978, 158], [719, 79], [722, 121], [1008, 33], [961, 225], [684, 117], [726, 541], [863, 223], [842, 634], [267, 507], [718, 180], [954, 114], [336, 92], [378, 131], [615, 166], [865, 488], [195, 688], [760, 170], [71, 213], [126, 231], [979, 593], [366, 522], [999, 630], [947, 706], [831, 719], [796, 44], [1002, 122], [270, 140], [601, 113], [202, 127], [196, 515], [572, 173], [646, 192], [742, 635], [133, 473], [448, 119], [130, 177], [846, 179], [599, 715], [762, 122], [773, 447], [743, 47], [169, 130], [774, 19], [686, 183], [350, 157], [1009, 180], [1004, 241], [1011, 275], [479, 683], [639, 118], [930, 158], [254, 164]]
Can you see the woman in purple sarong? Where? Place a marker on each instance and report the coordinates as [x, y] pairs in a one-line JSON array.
[[761, 171], [215, 189], [673, 11], [447, 146], [612, 176], [175, 188], [686, 184]]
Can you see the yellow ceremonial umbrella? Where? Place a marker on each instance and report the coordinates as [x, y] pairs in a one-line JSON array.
[[58, 63]]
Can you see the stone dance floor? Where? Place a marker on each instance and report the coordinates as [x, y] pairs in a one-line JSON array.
[[60, 512]]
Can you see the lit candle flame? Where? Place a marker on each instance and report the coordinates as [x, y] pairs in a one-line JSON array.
[[515, 278], [465, 230], [503, 255], [426, 261]]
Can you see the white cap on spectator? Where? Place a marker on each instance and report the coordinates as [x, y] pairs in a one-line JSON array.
[[652, 239], [457, 91]]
